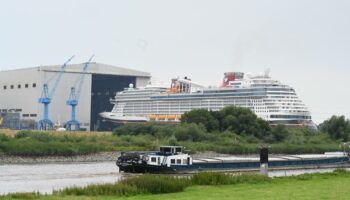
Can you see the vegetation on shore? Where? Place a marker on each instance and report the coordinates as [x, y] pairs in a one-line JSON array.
[[240, 186], [231, 130]]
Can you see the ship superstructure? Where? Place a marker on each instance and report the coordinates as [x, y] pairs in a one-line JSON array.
[[269, 99]]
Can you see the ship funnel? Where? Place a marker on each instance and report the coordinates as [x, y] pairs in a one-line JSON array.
[[231, 76]]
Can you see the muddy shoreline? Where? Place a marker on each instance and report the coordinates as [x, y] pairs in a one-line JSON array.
[[96, 157]]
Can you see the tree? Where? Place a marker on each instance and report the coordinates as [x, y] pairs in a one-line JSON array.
[[201, 116], [243, 122], [337, 127], [279, 133]]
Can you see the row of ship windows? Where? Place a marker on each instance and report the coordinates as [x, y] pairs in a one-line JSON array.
[[194, 102], [211, 107], [285, 103], [282, 101], [301, 106], [284, 97], [126, 110], [169, 98], [179, 106], [291, 116], [287, 106], [291, 111], [250, 90], [19, 86]]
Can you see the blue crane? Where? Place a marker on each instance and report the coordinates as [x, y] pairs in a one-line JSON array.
[[74, 99], [46, 98]]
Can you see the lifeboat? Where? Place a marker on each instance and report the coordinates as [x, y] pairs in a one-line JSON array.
[[152, 117], [161, 117], [171, 117]]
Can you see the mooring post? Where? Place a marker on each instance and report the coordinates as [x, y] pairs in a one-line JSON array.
[[264, 161]]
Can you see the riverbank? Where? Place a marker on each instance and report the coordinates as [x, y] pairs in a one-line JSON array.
[[94, 157]]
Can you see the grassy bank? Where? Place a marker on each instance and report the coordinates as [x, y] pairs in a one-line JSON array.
[[211, 186], [42, 143]]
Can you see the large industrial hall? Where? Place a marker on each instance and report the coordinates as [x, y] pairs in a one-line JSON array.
[[21, 89]]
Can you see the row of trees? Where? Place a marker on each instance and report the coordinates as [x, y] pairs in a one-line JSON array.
[[243, 121], [237, 124]]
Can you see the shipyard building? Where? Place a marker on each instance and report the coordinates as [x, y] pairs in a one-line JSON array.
[[20, 90]]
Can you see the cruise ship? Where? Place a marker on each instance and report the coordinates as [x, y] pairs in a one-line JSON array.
[[268, 98]]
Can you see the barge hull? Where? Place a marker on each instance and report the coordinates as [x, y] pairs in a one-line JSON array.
[[234, 166]]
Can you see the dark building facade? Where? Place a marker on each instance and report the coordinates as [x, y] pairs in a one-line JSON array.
[[104, 88]]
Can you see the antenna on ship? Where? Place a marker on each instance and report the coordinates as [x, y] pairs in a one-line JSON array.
[[267, 72]]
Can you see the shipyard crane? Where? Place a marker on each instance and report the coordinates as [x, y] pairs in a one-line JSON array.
[[73, 99], [46, 98]]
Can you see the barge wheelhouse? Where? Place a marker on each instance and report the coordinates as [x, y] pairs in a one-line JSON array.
[[167, 159]]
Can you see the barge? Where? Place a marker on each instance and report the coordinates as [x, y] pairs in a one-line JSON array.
[[173, 159]]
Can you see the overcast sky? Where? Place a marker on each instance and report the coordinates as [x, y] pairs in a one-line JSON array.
[[305, 43]]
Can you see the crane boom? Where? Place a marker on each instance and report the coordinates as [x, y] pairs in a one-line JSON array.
[[73, 99], [63, 67]]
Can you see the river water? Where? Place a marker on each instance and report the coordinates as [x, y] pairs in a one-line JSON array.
[[45, 178]]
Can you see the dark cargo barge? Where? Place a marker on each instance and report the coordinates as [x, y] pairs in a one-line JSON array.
[[172, 159]]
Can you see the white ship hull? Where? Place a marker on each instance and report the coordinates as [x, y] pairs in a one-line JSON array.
[[109, 116]]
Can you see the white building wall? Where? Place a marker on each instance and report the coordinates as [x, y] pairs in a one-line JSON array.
[[142, 81], [20, 98]]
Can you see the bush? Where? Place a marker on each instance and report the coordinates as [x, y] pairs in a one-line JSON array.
[[190, 132], [22, 134], [24, 195], [4, 138], [150, 128], [279, 133]]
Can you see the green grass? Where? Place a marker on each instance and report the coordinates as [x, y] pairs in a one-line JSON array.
[[248, 187], [316, 188]]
